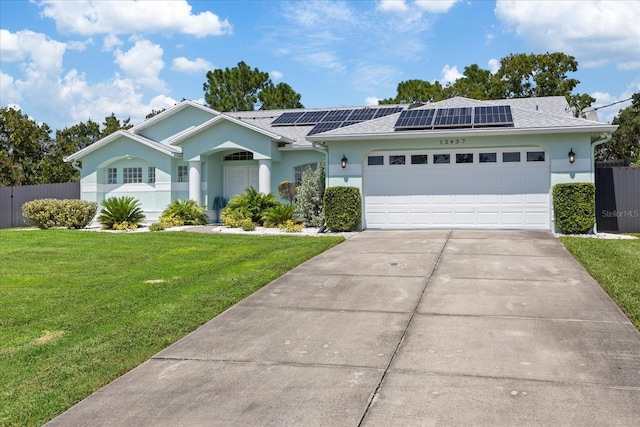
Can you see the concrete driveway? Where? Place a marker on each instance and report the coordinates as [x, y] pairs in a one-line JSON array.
[[398, 328]]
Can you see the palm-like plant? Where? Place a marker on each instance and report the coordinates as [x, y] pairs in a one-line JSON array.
[[278, 215], [187, 211], [251, 204], [118, 210]]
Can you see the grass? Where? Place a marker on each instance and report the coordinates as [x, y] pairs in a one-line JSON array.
[[615, 264], [78, 309]]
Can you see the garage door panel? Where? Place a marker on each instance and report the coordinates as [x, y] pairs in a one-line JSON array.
[[494, 195]]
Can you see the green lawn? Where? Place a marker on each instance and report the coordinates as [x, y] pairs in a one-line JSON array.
[[78, 309], [615, 264]]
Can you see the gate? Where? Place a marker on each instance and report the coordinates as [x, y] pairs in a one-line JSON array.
[[617, 197]]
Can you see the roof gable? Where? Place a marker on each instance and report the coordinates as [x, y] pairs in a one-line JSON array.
[[163, 148]]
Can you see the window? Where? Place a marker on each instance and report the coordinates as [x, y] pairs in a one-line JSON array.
[[131, 175], [464, 158], [488, 157], [375, 160], [183, 173], [299, 170], [418, 159], [112, 176], [151, 175], [240, 155], [441, 158], [510, 157], [397, 160], [535, 156]]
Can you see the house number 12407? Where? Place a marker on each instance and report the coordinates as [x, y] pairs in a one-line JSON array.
[[452, 141]]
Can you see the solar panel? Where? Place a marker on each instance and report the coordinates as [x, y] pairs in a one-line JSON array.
[[493, 115], [287, 119], [350, 122], [337, 115], [453, 117], [362, 114], [381, 112], [311, 117], [415, 119], [324, 127]]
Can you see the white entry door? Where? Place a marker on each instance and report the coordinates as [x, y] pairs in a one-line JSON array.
[[507, 188], [238, 178]]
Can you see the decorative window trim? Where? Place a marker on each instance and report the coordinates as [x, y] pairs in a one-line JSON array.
[[536, 156], [515, 154], [112, 175], [183, 173], [239, 155], [132, 175]]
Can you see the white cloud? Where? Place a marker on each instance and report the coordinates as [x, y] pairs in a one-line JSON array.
[[8, 91], [10, 49], [117, 17], [371, 101], [607, 114], [494, 65], [595, 32], [450, 75], [143, 62], [111, 41], [436, 6], [327, 60], [393, 5], [185, 65], [276, 75]]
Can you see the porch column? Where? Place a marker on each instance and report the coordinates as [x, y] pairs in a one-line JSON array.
[[195, 169], [264, 176]]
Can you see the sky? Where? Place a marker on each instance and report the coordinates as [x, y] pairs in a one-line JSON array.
[[64, 62]]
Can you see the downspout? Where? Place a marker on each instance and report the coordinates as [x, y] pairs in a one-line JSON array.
[[604, 137]]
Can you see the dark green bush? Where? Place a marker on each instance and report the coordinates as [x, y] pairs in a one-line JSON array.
[[187, 211], [342, 208], [575, 206], [252, 205], [69, 213], [278, 215], [119, 213]]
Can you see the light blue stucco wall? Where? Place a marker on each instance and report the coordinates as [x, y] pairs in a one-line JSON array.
[[179, 121]]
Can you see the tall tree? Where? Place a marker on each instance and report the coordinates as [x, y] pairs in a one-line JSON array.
[[112, 123], [240, 89], [412, 91], [23, 144], [68, 141], [474, 84], [625, 142], [281, 96]]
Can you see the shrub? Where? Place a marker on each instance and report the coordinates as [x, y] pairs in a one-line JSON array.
[[187, 211], [120, 210], [287, 191], [252, 204], [574, 205], [278, 214], [156, 226], [170, 221], [291, 226], [310, 194], [47, 213], [232, 218], [342, 208], [248, 225]]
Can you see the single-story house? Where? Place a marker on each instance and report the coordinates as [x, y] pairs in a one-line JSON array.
[[455, 163]]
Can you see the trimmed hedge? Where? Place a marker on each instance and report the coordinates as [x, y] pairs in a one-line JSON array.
[[342, 208], [575, 206], [69, 213]]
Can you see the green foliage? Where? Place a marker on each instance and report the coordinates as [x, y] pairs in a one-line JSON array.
[[342, 208], [574, 205], [291, 226], [170, 221], [412, 91], [625, 142], [248, 225], [156, 226], [635, 164], [240, 88], [23, 146], [278, 215], [287, 191], [187, 211], [118, 210], [252, 204], [48, 213], [112, 124], [310, 196]]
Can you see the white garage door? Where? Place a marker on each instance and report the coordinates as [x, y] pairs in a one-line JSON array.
[[461, 188]]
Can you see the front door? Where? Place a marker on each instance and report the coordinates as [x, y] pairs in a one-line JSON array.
[[239, 178]]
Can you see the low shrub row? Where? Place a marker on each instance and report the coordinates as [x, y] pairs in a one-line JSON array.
[[49, 213]]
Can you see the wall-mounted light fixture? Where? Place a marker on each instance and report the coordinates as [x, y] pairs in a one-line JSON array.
[[572, 156], [344, 161]]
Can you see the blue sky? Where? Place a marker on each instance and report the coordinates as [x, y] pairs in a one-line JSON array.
[[63, 62]]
